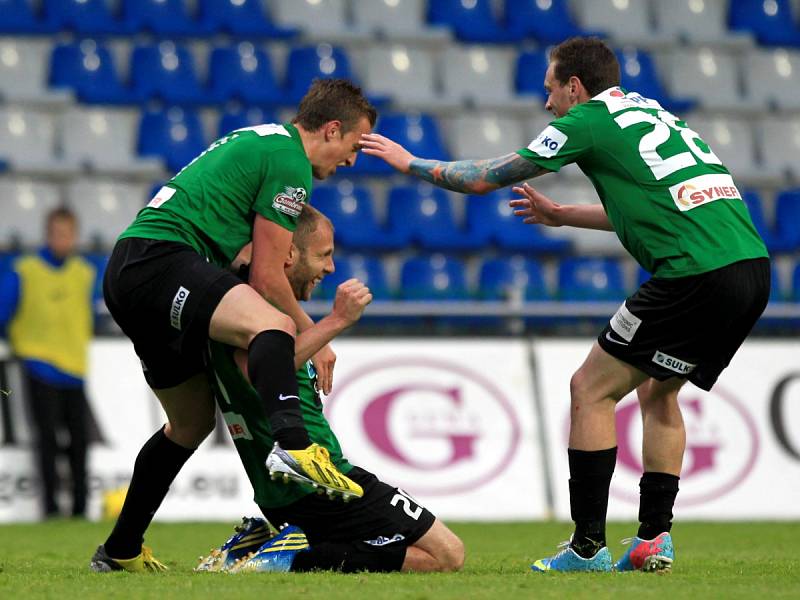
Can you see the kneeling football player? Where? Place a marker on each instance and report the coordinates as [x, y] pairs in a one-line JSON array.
[[386, 529]]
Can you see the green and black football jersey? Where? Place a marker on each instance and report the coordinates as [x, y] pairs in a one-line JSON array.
[[671, 201], [247, 421], [212, 202]]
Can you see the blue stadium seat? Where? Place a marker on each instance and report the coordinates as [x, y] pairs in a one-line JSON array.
[[772, 22], [775, 292], [246, 18], [87, 68], [243, 72], [422, 214], [787, 219], [161, 17], [435, 277], [796, 283], [531, 69], [99, 261], [368, 269], [314, 62], [639, 74], [549, 22], [351, 210], [237, 118], [490, 218], [20, 17], [174, 135], [88, 17], [470, 21], [755, 207], [598, 279], [515, 277], [165, 71]]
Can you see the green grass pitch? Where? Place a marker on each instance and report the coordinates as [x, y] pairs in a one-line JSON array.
[[719, 560]]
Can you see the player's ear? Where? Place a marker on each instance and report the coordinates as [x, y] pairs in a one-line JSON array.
[[291, 258], [333, 130]]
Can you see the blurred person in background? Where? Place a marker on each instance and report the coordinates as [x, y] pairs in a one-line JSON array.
[[677, 211], [46, 303]]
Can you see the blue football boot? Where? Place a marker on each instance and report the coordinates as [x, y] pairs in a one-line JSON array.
[[653, 556], [247, 537], [567, 560], [276, 555]]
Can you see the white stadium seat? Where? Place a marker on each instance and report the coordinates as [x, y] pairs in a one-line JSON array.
[[105, 208], [773, 77], [708, 75], [478, 74], [702, 21], [24, 205], [389, 17], [779, 140], [24, 70], [313, 16], [731, 139], [405, 73], [105, 140], [483, 135], [623, 20], [27, 138]]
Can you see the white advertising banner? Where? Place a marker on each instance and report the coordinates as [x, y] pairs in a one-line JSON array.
[[451, 422], [742, 455]]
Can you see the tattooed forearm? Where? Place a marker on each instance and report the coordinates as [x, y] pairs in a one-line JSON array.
[[476, 176]]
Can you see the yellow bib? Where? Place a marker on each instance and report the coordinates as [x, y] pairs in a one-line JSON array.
[[53, 322]]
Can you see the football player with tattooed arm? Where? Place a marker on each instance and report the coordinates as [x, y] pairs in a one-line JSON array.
[[386, 529], [168, 287], [677, 211]]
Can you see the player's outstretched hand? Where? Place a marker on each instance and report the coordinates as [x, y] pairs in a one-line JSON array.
[[535, 207], [352, 298], [323, 361], [393, 153]]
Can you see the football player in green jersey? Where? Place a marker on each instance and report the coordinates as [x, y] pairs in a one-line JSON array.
[[168, 287], [385, 530], [676, 209]]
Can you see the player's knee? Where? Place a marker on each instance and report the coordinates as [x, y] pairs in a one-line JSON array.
[[453, 560], [578, 387], [190, 434]]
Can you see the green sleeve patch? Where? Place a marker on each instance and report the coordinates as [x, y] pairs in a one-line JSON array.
[[285, 188]]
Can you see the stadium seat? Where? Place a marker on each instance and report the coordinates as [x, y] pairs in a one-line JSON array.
[[435, 277], [755, 207], [367, 269], [490, 218], [104, 140], [243, 72], [731, 139], [513, 278], [87, 68], [698, 22], [705, 75], [237, 118], [422, 214], [473, 21], [244, 18], [86, 17], [780, 144], [27, 138], [351, 210], [174, 135], [19, 17], [772, 22], [390, 18], [787, 219], [404, 73], [25, 206], [796, 283], [550, 22], [165, 71], [105, 209], [530, 73], [312, 16], [419, 133], [638, 74], [622, 21], [161, 17], [314, 62], [590, 279], [773, 78], [23, 69], [481, 135], [479, 75]]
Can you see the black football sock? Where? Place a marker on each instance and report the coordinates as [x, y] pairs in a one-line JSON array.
[[349, 557], [590, 477], [156, 466], [657, 497], [270, 365]]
